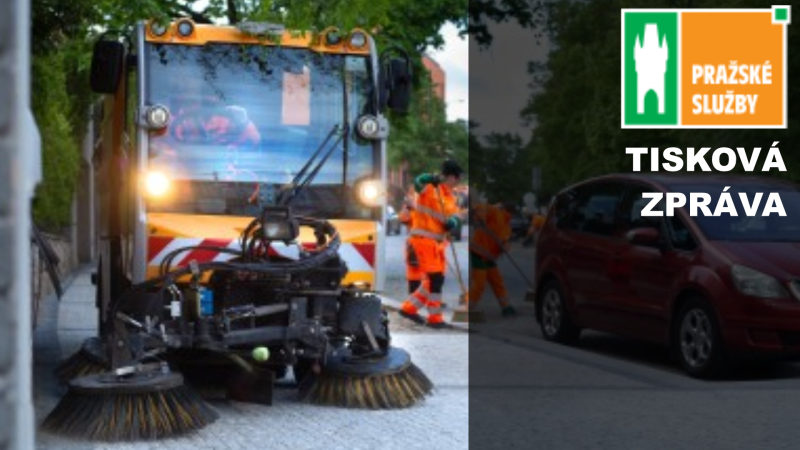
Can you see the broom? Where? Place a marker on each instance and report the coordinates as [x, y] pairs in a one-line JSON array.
[[88, 360], [390, 382], [461, 314], [147, 402]]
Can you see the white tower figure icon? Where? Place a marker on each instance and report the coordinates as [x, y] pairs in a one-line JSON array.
[[651, 65]]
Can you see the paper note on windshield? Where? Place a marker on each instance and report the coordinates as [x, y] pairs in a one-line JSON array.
[[296, 98]]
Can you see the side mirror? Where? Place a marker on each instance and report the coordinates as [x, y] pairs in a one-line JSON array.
[[648, 237], [395, 82], [107, 66]]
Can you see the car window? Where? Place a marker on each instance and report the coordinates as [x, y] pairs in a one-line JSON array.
[[632, 206], [679, 234], [590, 208]]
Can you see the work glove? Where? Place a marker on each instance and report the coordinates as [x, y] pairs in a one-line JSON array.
[[452, 222], [425, 179]]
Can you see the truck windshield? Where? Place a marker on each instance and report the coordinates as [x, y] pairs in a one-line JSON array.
[[244, 119]]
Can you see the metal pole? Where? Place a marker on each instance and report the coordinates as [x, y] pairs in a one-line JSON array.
[[17, 134]]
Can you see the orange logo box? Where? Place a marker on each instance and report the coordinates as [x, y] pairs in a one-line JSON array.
[[733, 69]]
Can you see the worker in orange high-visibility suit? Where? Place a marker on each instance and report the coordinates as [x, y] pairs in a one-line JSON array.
[[414, 275], [436, 213], [488, 241]]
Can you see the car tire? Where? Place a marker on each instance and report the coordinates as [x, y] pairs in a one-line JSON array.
[[696, 340], [556, 324]]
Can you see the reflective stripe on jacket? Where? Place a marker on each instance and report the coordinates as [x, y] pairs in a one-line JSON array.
[[435, 204]]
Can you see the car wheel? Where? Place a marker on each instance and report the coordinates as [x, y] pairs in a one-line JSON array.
[[556, 324], [697, 342]]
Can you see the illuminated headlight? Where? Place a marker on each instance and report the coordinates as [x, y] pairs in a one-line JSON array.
[[756, 284], [358, 39], [185, 28], [157, 117], [158, 29], [368, 127], [370, 192], [156, 184]]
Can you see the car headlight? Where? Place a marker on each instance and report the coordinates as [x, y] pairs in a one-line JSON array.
[[754, 283], [156, 184], [370, 192]]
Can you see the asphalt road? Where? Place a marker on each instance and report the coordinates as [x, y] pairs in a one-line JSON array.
[[609, 392]]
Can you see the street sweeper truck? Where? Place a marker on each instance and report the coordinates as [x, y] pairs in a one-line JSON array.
[[241, 175]]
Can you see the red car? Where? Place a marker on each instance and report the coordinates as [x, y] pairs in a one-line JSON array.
[[712, 288]]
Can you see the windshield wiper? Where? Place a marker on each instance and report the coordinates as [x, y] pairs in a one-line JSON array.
[[296, 186]]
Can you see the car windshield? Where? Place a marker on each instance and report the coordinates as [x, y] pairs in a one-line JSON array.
[[744, 228], [248, 116]]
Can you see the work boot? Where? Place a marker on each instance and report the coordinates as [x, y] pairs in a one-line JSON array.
[[509, 311], [409, 311], [436, 322]]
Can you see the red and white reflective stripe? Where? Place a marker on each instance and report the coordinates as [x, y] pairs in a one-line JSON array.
[[359, 257]]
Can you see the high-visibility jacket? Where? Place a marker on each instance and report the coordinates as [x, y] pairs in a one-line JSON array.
[[492, 228], [435, 205]]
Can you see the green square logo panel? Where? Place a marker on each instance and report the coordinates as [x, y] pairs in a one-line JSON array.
[[650, 78]]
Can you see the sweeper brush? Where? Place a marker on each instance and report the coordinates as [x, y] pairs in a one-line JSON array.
[[389, 382], [143, 406], [89, 360]]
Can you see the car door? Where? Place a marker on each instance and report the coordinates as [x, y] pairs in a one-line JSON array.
[[589, 241], [645, 276]]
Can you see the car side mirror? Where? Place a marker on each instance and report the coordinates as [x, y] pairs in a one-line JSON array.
[[647, 237], [108, 62]]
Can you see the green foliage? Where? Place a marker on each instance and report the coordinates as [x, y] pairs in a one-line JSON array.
[[53, 109], [501, 168], [578, 133], [423, 138]]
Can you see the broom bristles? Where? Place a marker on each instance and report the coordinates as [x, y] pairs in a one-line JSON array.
[[78, 365], [400, 389], [127, 417]]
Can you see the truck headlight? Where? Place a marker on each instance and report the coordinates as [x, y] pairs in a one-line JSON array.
[[756, 284], [370, 192], [358, 39], [156, 184]]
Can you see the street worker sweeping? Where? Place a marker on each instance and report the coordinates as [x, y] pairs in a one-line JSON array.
[[436, 213], [492, 230], [414, 275]]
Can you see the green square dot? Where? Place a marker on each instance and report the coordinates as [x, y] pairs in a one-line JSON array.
[[781, 14]]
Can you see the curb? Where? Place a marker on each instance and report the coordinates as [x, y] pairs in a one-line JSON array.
[[394, 305]]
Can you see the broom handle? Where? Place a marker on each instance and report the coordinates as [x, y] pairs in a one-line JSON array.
[[452, 247]]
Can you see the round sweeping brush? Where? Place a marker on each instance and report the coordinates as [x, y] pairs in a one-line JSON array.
[[143, 406], [390, 382], [89, 360]]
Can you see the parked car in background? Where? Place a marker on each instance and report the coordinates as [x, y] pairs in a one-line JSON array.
[[714, 289], [393, 225]]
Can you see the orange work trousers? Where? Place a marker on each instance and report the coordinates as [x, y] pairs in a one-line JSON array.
[[477, 284]]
